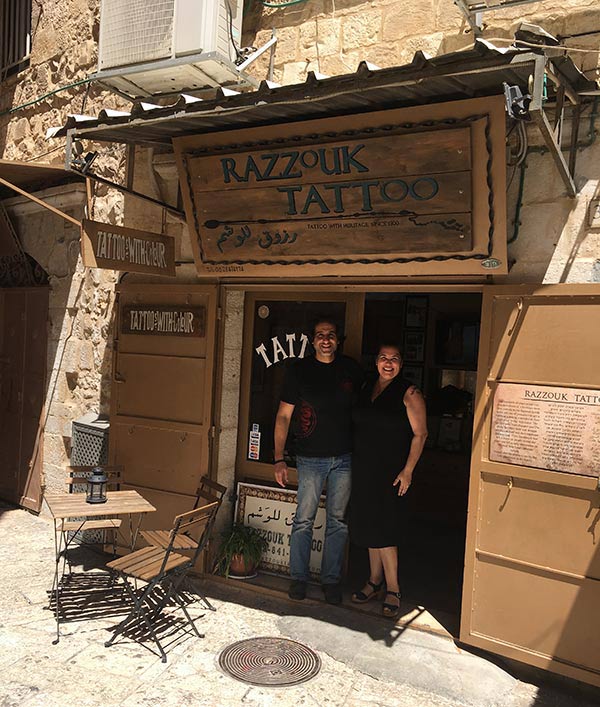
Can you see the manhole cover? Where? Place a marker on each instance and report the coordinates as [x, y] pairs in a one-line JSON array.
[[270, 661]]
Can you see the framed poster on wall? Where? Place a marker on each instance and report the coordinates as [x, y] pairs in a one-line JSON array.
[[416, 312], [414, 345], [414, 374]]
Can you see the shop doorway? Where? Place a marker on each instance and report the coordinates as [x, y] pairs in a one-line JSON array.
[[438, 334]]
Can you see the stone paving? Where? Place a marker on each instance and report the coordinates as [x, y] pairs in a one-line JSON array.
[[365, 662]]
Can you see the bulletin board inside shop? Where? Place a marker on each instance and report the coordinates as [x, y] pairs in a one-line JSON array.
[[402, 192]]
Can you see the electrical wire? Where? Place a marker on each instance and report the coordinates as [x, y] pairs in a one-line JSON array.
[[10, 111], [266, 3], [592, 134], [44, 154], [238, 53], [519, 204], [560, 47]]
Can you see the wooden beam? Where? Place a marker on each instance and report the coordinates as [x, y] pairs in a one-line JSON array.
[[45, 204]]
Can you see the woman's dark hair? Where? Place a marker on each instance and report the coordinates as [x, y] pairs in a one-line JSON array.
[[390, 343]]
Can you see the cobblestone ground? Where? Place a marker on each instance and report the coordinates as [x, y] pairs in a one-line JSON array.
[[365, 662]]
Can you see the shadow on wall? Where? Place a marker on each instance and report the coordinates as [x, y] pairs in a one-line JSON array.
[[7, 93], [538, 213], [584, 246], [291, 13]]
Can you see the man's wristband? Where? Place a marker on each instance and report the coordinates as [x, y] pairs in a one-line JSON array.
[[278, 461]]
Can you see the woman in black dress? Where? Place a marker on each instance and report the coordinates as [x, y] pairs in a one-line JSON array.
[[390, 428]]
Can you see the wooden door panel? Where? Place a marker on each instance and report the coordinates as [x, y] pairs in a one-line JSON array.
[[37, 332], [161, 399], [532, 561], [146, 299], [22, 391], [161, 387], [11, 404], [10, 455], [553, 617], [172, 459], [559, 534], [34, 392], [543, 328]]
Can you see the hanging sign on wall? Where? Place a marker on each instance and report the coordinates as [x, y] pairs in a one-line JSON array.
[[117, 248], [547, 427], [396, 187]]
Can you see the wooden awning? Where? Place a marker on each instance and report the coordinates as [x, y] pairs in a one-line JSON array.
[[32, 177]]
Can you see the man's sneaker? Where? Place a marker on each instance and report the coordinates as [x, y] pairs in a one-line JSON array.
[[297, 590], [333, 593]]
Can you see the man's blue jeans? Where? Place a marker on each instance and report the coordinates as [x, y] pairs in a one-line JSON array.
[[313, 472]]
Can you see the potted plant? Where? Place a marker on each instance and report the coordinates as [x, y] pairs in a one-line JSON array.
[[240, 552]]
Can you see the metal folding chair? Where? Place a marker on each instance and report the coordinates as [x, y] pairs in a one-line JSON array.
[[164, 570]]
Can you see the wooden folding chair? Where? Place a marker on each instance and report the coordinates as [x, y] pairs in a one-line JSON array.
[[164, 570], [208, 492]]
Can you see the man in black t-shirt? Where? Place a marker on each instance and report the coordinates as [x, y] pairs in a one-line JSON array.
[[322, 387]]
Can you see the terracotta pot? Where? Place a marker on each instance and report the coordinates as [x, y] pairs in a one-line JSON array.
[[241, 568]]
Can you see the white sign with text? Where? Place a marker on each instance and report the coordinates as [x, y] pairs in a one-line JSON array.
[[272, 512]]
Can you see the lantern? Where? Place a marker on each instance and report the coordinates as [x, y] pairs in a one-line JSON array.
[[96, 486]]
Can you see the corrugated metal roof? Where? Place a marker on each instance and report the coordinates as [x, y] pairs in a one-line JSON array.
[[479, 71]]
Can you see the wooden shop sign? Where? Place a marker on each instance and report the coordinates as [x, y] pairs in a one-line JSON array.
[[417, 190], [163, 320], [361, 197], [117, 248]]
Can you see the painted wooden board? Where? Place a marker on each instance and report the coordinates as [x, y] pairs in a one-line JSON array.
[[117, 248], [360, 197], [417, 190]]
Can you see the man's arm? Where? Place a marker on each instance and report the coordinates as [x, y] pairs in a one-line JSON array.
[[282, 426]]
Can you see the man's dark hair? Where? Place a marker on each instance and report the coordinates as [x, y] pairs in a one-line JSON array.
[[327, 320]]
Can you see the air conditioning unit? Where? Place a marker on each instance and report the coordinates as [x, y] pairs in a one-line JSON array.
[[161, 47]]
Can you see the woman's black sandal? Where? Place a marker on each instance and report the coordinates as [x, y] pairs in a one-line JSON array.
[[362, 598], [391, 610]]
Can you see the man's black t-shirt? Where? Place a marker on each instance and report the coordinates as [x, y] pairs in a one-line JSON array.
[[323, 394]]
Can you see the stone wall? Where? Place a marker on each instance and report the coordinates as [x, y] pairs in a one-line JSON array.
[[333, 36], [229, 404], [554, 241], [80, 312], [63, 54]]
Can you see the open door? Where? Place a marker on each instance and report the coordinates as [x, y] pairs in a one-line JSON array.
[[162, 393], [532, 567]]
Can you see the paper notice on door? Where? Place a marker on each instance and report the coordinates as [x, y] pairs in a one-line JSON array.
[[547, 427]]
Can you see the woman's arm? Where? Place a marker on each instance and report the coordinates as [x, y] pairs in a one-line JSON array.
[[417, 416]]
